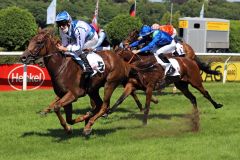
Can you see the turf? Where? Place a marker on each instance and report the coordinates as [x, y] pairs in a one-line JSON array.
[[24, 135]]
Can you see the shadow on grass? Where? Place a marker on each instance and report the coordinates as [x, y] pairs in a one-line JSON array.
[[60, 135]]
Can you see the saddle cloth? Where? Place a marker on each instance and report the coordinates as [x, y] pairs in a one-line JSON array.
[[179, 49], [175, 65], [96, 62]]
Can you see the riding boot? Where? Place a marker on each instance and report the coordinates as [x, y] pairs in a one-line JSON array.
[[170, 71], [88, 69]]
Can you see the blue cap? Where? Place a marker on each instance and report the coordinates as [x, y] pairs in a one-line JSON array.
[[63, 16], [145, 30]]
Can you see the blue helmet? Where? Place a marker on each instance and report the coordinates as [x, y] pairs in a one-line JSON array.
[[63, 16], [145, 30]]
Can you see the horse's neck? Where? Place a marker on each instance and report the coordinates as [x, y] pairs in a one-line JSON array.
[[54, 63]]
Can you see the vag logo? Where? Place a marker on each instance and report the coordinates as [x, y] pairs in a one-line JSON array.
[[35, 77]]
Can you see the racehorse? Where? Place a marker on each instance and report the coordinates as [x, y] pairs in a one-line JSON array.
[[188, 50], [151, 75], [69, 81]]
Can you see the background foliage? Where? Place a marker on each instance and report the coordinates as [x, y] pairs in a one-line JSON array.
[[111, 11], [17, 26], [117, 31]]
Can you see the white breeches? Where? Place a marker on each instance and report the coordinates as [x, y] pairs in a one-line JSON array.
[[103, 48], [174, 33], [166, 49]]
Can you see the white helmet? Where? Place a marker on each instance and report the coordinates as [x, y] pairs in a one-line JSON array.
[[155, 26]]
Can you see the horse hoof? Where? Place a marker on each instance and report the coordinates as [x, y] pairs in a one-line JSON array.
[[105, 115], [218, 106], [69, 131], [144, 122], [42, 114], [87, 132]]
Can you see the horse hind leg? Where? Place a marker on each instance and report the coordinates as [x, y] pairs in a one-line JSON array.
[[205, 93], [183, 87], [128, 89]]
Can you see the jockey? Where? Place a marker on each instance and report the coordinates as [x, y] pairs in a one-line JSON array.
[[102, 43], [161, 43], [173, 33], [166, 28], [76, 36]]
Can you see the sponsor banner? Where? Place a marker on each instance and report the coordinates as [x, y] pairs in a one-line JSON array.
[[233, 72], [11, 77]]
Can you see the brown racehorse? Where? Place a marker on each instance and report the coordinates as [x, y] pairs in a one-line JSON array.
[[69, 82], [151, 75], [188, 50]]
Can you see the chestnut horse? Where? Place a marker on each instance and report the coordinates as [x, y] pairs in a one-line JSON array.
[[69, 82], [188, 50], [152, 74]]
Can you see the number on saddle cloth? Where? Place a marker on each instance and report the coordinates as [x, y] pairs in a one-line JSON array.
[[179, 52], [96, 62]]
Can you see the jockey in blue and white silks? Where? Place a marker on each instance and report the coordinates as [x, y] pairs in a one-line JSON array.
[[103, 43], [76, 35], [161, 43]]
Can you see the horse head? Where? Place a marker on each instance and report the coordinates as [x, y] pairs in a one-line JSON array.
[[41, 45], [133, 36]]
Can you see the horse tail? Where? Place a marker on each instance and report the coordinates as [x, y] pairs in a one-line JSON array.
[[205, 67]]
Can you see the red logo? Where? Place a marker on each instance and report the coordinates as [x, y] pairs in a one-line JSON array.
[[35, 77]]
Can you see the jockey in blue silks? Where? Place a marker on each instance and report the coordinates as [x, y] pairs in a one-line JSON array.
[[161, 43], [76, 36]]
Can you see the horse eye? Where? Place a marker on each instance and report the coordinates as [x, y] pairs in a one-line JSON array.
[[39, 42]]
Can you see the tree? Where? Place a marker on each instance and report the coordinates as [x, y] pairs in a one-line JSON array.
[[16, 28], [119, 28]]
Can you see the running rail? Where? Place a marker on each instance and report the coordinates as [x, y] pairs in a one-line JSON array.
[[18, 53]]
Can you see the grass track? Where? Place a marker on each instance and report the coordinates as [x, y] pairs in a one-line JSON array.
[[26, 136]]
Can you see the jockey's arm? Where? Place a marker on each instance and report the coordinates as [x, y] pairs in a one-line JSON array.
[[150, 46], [136, 43], [102, 36], [80, 35]]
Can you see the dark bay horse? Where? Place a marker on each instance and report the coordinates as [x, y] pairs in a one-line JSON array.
[[69, 82], [152, 74], [188, 50]]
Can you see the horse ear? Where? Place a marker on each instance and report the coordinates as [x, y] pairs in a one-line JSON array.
[[39, 29], [51, 31], [115, 48]]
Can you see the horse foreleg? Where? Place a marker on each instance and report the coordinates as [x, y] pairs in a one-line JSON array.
[[65, 101], [147, 104], [63, 123], [68, 98], [108, 90], [48, 109], [127, 91]]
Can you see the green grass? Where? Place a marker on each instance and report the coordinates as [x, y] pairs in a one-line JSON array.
[[24, 135]]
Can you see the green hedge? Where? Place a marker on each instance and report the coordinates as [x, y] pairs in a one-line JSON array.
[[17, 26], [119, 28]]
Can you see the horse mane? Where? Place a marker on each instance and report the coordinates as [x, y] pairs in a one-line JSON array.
[[50, 33]]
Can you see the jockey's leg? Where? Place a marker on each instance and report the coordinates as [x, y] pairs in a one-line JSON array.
[[88, 68], [169, 69]]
